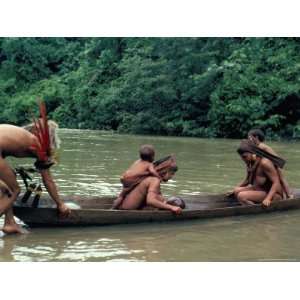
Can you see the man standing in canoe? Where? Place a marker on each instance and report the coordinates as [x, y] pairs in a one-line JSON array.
[[147, 191], [262, 184], [38, 141]]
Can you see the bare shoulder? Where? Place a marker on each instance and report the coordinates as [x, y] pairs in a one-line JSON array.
[[153, 182], [146, 163], [134, 165], [266, 163], [136, 162]]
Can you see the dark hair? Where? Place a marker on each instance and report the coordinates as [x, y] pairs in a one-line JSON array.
[[258, 133], [246, 146], [173, 169], [241, 151], [147, 153]]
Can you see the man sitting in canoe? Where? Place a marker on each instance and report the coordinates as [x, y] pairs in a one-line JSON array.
[[262, 184], [38, 141], [146, 191]]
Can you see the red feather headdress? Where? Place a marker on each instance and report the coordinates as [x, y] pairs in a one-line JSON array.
[[41, 131]]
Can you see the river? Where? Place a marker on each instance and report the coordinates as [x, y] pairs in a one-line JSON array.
[[91, 163]]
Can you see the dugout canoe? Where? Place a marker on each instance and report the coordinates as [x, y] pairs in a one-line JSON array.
[[96, 211]]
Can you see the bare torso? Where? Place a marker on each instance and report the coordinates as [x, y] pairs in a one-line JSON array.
[[137, 168], [262, 181], [16, 141]]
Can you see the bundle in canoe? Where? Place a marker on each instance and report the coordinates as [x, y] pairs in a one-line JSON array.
[[91, 211]]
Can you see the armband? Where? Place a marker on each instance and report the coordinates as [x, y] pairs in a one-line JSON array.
[[43, 165]]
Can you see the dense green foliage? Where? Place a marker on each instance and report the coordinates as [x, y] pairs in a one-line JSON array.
[[206, 87]]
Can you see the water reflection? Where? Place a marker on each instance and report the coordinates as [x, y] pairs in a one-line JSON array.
[[91, 163]]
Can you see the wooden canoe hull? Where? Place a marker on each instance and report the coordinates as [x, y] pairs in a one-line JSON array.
[[96, 211]]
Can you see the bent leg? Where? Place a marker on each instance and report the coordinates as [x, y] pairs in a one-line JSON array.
[[239, 189], [117, 202], [135, 198], [154, 197], [9, 193], [6, 197], [251, 197], [8, 186], [277, 197], [10, 225], [155, 201]]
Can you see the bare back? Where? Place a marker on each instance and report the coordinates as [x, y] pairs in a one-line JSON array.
[[16, 141], [137, 168], [138, 195]]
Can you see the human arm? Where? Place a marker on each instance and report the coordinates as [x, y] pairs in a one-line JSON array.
[[154, 198], [153, 172], [272, 175], [52, 190], [244, 183], [242, 186]]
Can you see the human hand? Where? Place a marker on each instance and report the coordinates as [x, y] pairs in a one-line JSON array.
[[266, 202], [176, 210], [63, 210]]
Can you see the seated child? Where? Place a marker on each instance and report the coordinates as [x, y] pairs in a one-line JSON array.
[[257, 137], [140, 169], [143, 166]]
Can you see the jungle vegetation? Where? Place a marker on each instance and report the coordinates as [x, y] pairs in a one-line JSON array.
[[202, 87]]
